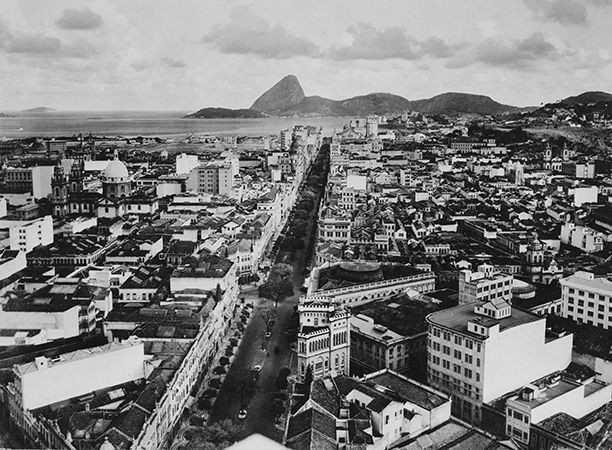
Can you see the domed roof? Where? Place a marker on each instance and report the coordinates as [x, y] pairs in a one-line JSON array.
[[116, 169]]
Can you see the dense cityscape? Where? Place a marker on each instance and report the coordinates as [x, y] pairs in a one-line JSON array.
[[337, 225], [407, 277]]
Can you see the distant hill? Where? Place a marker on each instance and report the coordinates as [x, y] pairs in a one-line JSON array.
[[287, 99], [283, 95], [225, 113], [587, 97], [39, 110], [586, 105], [457, 102]]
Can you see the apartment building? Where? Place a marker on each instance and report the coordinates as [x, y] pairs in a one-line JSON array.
[[484, 284], [25, 236], [481, 350], [215, 179], [587, 299]]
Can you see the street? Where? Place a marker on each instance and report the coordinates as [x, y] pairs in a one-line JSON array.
[[260, 418]]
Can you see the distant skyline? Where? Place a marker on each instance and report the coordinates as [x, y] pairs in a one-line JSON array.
[[188, 54]]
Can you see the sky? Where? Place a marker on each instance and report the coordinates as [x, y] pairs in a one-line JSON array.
[[184, 55]]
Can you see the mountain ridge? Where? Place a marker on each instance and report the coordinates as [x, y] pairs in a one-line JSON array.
[[286, 98]]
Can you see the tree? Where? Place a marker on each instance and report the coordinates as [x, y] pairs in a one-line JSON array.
[[218, 435], [281, 383], [243, 386], [277, 407], [279, 284], [284, 372]]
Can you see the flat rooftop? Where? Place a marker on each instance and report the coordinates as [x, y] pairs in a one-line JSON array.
[[457, 318]]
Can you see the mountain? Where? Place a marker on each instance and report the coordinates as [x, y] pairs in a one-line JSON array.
[[587, 97], [225, 113], [457, 102], [39, 110], [283, 95], [286, 98]]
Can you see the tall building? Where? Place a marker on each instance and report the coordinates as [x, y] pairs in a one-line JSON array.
[[286, 138], [324, 339], [587, 299], [28, 235], [484, 284], [371, 126], [519, 175], [215, 179], [482, 350]]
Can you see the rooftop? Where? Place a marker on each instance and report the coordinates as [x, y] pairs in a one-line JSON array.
[[457, 318]]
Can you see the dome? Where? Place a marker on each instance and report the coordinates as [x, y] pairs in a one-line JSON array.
[[522, 290], [116, 169]]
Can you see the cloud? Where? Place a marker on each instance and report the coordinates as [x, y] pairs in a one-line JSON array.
[[565, 12], [515, 53], [152, 63], [79, 19], [38, 45], [390, 43], [175, 63], [248, 34]]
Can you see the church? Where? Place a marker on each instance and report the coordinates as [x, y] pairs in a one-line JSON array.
[[69, 198]]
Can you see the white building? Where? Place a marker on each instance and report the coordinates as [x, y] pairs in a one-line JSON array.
[[45, 381], [587, 299], [582, 237], [27, 235], [540, 400], [324, 339], [186, 163], [481, 351], [483, 285], [585, 194]]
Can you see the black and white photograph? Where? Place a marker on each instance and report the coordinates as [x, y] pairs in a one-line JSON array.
[[306, 225]]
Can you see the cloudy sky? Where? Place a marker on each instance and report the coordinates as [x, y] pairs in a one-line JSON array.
[[183, 55]]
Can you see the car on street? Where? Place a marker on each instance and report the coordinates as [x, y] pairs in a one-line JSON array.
[[242, 414], [256, 368], [268, 333]]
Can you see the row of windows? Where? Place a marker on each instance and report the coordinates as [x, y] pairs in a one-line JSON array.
[[591, 295], [459, 340], [600, 307], [457, 368]]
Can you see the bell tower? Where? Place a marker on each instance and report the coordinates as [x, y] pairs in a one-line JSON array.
[[59, 191]]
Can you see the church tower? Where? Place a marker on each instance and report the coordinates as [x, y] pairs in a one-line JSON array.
[[76, 175], [59, 191], [547, 156]]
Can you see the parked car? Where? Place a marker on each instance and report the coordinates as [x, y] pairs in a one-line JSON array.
[[242, 414]]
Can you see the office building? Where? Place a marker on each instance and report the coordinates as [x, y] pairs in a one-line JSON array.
[[484, 284], [587, 299], [479, 351]]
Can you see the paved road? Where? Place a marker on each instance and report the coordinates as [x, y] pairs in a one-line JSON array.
[[259, 419]]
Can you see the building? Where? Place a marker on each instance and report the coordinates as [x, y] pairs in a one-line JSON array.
[[46, 381], [116, 188], [587, 299], [484, 284], [370, 413], [186, 163], [356, 283], [323, 339], [391, 334], [215, 179], [25, 236], [551, 396], [35, 180], [68, 195], [480, 351], [582, 237], [585, 194]]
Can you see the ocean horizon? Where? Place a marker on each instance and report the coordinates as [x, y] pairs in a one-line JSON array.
[[163, 124]]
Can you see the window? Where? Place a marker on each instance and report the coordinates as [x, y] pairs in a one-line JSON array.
[[457, 354], [468, 358]]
